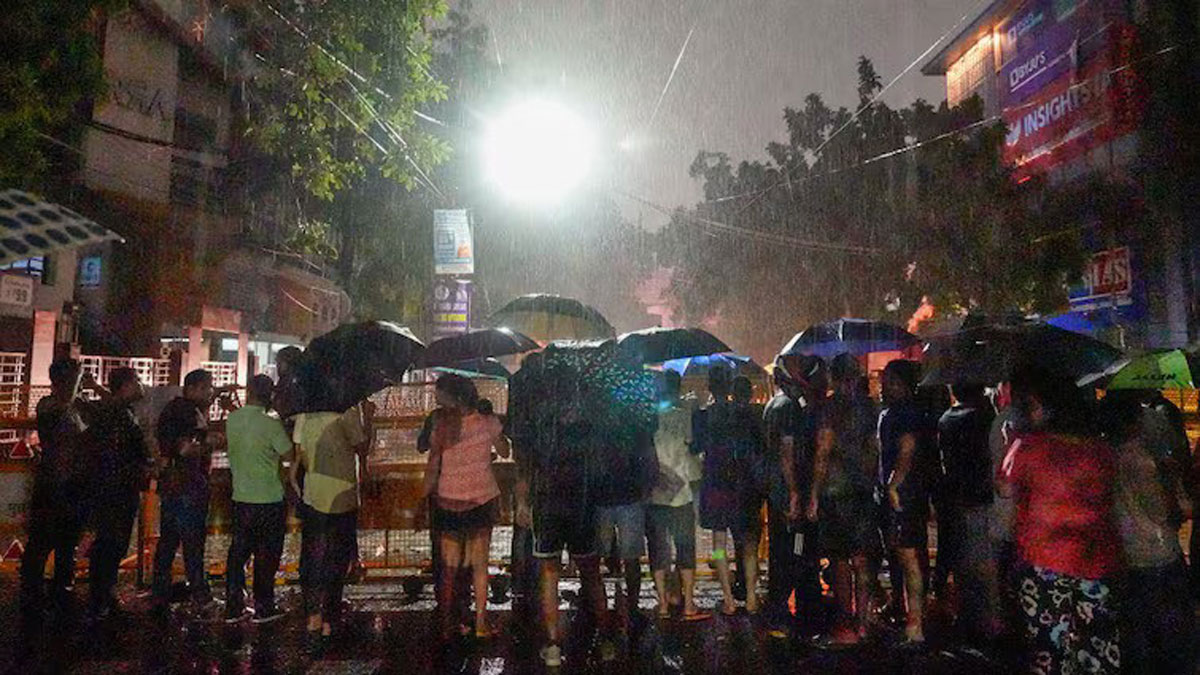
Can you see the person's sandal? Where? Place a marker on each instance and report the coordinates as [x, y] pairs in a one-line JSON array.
[[696, 616]]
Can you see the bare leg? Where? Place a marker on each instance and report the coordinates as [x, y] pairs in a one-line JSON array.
[[688, 583], [478, 547], [844, 593], [550, 570], [914, 591], [720, 553], [863, 590], [750, 570], [633, 585], [593, 591], [452, 556], [660, 588]]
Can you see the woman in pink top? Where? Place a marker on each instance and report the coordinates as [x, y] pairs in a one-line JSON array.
[[464, 491]]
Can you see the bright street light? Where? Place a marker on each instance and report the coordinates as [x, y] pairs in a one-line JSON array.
[[537, 151]]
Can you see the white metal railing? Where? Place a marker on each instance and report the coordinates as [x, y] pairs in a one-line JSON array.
[[224, 372], [151, 371]]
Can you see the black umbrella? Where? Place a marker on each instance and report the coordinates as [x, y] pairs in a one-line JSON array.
[[478, 344], [490, 368], [547, 318], [987, 354], [354, 361], [655, 345]]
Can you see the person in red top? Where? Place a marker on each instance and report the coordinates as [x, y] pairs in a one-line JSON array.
[[1061, 478]]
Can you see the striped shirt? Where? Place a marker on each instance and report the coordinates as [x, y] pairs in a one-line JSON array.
[[462, 469]]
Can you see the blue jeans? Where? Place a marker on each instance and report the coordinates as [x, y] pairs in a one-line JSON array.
[[183, 521]]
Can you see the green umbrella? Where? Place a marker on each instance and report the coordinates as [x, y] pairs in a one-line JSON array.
[[1170, 369]]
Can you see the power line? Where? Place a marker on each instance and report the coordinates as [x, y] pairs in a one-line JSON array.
[[971, 12], [757, 192], [760, 235]]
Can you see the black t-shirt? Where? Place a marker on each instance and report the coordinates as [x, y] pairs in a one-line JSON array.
[[120, 446], [897, 421], [963, 435], [61, 429], [182, 420], [785, 417], [558, 466]]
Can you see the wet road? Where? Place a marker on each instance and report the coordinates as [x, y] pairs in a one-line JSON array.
[[387, 633]]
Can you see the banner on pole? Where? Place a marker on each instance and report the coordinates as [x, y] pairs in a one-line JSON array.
[[453, 248], [451, 307]]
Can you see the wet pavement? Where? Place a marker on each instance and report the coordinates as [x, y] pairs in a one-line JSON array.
[[386, 631]]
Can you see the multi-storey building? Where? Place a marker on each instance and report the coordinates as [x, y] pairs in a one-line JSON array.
[[1068, 79]]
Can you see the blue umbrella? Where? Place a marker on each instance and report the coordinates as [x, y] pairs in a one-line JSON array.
[[849, 336], [698, 366]]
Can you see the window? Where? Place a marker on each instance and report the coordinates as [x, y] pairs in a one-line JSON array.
[[33, 267], [964, 76]]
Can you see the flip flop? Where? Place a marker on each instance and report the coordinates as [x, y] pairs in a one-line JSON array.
[[696, 616]]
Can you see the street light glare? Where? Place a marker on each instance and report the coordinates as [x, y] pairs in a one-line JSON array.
[[537, 151]]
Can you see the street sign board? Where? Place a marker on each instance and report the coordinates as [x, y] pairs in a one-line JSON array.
[[453, 247], [451, 307]]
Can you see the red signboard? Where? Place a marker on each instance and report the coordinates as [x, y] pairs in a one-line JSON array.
[[1107, 281]]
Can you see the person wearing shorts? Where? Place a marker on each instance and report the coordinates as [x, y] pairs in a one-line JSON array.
[[553, 500], [732, 439], [907, 437], [464, 492], [671, 512], [842, 500], [621, 532]]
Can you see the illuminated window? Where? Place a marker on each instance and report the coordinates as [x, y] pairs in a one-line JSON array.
[[964, 76]]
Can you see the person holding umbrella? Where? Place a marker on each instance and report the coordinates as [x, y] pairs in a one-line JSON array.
[[463, 491], [330, 447]]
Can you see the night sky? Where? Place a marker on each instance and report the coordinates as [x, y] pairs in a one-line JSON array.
[[746, 60]]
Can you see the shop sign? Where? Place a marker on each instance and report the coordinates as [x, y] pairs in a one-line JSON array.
[[1107, 282], [451, 307], [453, 248], [1061, 90], [16, 290]]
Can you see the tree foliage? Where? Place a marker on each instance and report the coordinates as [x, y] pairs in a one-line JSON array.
[[52, 67], [866, 215], [337, 88]]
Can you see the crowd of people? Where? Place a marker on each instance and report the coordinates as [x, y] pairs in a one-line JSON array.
[[1057, 512]]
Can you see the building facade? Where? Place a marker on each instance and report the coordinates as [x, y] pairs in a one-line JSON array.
[[157, 162], [1068, 79]]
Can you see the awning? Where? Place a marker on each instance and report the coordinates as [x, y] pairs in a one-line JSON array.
[[31, 226]]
